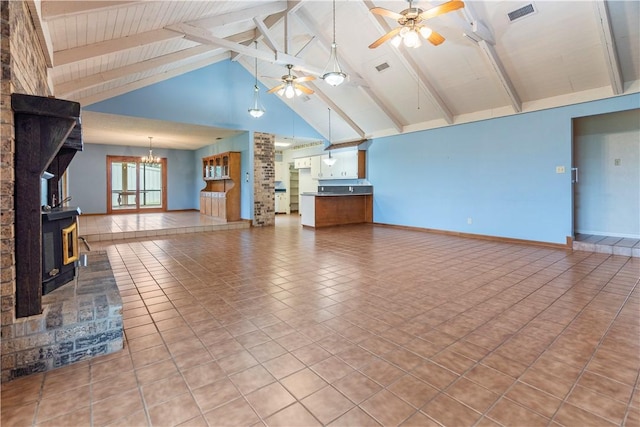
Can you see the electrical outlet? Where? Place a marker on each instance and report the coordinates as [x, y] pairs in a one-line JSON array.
[[469, 221], [559, 169]]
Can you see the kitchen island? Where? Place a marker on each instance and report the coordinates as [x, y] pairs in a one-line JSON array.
[[325, 209]]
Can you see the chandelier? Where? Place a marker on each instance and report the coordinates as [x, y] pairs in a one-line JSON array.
[[150, 159]]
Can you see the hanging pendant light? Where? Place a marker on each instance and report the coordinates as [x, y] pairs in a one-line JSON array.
[[329, 161], [333, 73], [256, 109], [150, 159]]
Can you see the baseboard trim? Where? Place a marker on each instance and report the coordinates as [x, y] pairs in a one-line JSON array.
[[150, 211], [568, 245]]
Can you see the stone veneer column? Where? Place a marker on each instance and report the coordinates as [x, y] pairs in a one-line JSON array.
[[264, 154]]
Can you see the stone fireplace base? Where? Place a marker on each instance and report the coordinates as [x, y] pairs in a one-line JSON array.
[[81, 319]]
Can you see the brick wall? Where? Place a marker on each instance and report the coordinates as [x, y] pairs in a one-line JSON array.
[[264, 154], [23, 71]]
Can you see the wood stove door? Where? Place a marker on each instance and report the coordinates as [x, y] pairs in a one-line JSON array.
[[70, 243]]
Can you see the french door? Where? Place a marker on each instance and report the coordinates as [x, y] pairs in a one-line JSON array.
[[133, 186]]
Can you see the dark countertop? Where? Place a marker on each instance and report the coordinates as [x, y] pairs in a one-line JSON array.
[[326, 194], [62, 212]]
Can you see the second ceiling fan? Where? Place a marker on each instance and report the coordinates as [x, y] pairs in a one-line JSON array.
[[291, 86], [411, 28]]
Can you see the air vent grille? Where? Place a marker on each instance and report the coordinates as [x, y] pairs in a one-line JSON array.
[[521, 13], [382, 67]]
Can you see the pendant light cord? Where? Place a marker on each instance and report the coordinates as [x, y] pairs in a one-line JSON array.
[[329, 125], [334, 22]]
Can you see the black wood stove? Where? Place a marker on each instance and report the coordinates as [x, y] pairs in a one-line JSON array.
[[48, 134]]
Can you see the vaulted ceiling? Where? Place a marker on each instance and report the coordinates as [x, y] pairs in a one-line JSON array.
[[562, 53]]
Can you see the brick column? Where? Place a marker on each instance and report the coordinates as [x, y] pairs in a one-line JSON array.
[[264, 154]]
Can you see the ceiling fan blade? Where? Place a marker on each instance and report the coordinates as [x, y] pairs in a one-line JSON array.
[[443, 8], [384, 38], [303, 89], [435, 38], [305, 79], [385, 12], [275, 89]]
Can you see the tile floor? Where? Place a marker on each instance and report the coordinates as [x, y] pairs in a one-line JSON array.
[[95, 228], [354, 326], [607, 244]]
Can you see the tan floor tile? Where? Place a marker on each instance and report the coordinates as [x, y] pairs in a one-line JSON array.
[[114, 408], [203, 374], [237, 362], [534, 399], [192, 359], [163, 390], [150, 356], [472, 395], [327, 404], [215, 394], [435, 375], [355, 417], [311, 354], [198, 421], [120, 382], [283, 366], [450, 412], [357, 387], [252, 379], [76, 418], [64, 403], [270, 399], [419, 420], [20, 415], [174, 411], [387, 409], [293, 416], [156, 372], [235, 413], [332, 369], [598, 404], [507, 412], [303, 383]]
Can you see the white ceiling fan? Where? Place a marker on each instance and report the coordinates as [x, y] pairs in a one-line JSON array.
[[411, 26]]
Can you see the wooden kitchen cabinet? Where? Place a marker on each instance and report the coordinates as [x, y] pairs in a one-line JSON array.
[[220, 198]]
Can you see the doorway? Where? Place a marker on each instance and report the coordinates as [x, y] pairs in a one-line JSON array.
[[134, 186], [606, 175]]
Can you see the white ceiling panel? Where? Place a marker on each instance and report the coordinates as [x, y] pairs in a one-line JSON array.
[[553, 53]]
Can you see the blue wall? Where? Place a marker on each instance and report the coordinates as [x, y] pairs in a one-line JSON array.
[[88, 176], [218, 95], [501, 173]]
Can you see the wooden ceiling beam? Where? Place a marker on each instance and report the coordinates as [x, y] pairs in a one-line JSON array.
[[269, 8], [412, 67], [56, 9], [120, 90], [476, 31], [71, 87], [81, 53], [609, 47], [201, 35], [352, 76]]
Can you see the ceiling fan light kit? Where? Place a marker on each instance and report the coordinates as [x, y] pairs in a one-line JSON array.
[[410, 25]]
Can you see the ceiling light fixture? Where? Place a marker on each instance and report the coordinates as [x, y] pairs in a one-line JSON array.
[[333, 72], [256, 109], [329, 161], [150, 159]]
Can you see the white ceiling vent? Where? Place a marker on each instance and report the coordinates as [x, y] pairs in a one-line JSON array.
[[382, 67], [521, 12]]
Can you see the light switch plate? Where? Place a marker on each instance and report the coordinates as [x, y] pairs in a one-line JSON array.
[[559, 169]]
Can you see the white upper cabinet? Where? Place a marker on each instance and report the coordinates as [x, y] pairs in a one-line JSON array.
[[346, 166], [279, 173], [302, 163]]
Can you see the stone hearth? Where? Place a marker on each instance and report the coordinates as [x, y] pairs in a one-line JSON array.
[[80, 320]]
